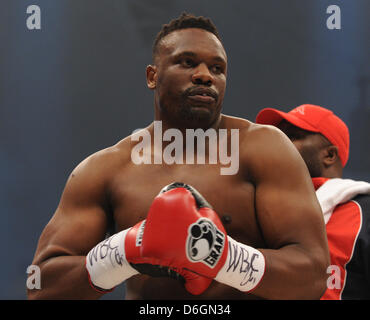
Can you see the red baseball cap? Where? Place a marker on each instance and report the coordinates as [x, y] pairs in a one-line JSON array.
[[315, 119]]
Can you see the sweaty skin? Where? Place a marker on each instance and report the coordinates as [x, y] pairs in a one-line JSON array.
[[269, 203]]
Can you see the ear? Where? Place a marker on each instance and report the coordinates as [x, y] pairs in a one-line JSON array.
[[330, 156], [151, 77]]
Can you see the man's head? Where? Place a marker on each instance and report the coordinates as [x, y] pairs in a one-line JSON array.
[[319, 135], [188, 73]]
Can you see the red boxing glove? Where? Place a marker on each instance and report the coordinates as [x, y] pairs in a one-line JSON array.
[[183, 231], [194, 283]]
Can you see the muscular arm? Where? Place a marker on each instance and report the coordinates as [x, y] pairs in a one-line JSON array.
[[78, 224], [290, 219]]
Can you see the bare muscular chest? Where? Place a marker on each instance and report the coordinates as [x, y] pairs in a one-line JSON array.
[[133, 190]]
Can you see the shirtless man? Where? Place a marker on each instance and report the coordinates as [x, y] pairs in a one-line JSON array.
[[268, 204]]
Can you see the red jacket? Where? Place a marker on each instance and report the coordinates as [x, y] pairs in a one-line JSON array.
[[348, 232]]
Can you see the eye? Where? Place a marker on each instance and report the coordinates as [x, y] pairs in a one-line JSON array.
[[187, 63], [296, 135], [217, 69]]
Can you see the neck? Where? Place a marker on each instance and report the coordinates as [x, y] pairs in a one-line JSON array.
[[183, 125], [185, 140]]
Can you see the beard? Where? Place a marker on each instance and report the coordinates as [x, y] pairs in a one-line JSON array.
[[312, 161], [196, 114], [183, 113]]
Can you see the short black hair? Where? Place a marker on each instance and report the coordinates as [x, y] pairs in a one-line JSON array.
[[184, 21]]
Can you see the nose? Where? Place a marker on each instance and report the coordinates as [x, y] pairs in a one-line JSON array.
[[202, 75]]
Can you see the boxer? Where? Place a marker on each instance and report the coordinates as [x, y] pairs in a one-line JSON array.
[[266, 215]]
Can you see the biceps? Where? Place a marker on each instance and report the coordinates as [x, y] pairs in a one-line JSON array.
[[71, 233], [289, 215]]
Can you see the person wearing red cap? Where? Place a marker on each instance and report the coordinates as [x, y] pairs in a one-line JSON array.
[[322, 139]]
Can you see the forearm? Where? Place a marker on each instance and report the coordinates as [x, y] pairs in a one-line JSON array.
[[292, 273], [64, 277]]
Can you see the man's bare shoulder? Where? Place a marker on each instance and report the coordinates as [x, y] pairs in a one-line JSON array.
[[232, 122], [103, 164], [254, 136], [247, 127], [265, 145], [255, 133], [250, 132]]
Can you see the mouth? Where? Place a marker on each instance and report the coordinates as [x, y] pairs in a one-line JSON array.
[[202, 95]]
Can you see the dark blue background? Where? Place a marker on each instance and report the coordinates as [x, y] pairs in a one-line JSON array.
[[78, 85]]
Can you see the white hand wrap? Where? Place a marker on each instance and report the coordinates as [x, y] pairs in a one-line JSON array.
[[244, 267], [106, 263]]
